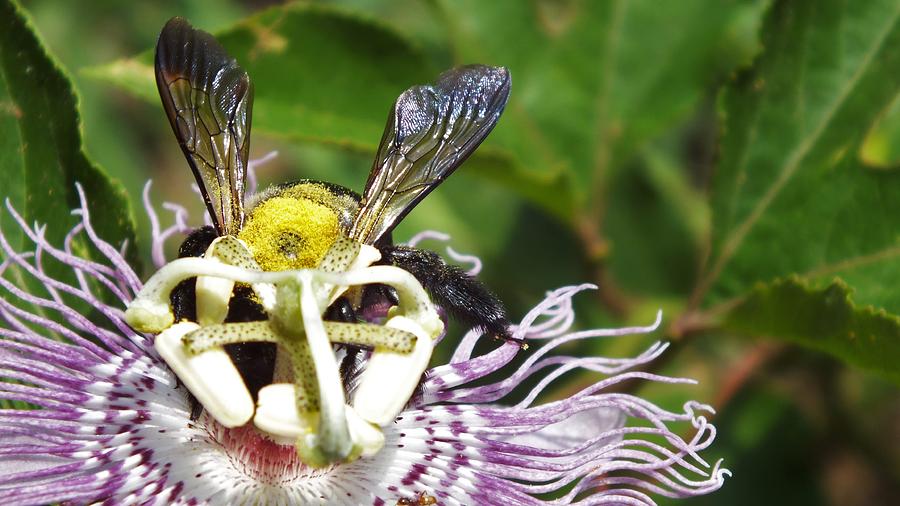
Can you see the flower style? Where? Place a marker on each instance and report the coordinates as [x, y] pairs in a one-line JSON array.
[[113, 422]]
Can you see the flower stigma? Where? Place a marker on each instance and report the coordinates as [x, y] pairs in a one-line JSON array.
[[326, 429]]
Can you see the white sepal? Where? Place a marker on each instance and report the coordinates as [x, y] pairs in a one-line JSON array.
[[210, 376], [390, 377]]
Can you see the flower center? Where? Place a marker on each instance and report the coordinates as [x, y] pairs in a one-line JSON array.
[[257, 457], [313, 410]]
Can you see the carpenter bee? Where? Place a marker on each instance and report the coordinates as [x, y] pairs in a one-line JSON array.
[[431, 130]]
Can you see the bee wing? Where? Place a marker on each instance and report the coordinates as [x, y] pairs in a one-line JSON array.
[[208, 99], [432, 129]]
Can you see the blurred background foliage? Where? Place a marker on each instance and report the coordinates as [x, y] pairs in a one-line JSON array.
[[731, 162]]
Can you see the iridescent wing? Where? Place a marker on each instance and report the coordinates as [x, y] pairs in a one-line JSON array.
[[208, 99], [432, 129]]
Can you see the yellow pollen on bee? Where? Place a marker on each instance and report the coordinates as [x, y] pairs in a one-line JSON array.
[[285, 233]]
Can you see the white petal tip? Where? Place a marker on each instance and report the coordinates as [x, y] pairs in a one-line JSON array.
[[367, 438], [145, 315]]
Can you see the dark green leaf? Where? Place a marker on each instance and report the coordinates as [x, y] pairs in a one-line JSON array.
[[824, 319], [791, 195], [766, 438], [593, 80], [41, 152]]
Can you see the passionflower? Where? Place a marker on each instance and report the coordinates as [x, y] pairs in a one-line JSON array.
[[109, 421]]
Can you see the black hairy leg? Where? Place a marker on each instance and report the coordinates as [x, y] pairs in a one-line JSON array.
[[461, 295]]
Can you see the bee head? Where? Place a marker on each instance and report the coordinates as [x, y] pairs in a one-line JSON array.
[[292, 226]]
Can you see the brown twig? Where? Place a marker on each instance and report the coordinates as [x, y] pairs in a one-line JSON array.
[[744, 370], [596, 251]]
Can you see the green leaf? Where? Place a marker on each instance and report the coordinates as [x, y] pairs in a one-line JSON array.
[[41, 151], [791, 194], [824, 319], [655, 220], [562, 101], [590, 84]]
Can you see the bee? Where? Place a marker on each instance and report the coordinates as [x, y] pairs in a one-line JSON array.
[[431, 130]]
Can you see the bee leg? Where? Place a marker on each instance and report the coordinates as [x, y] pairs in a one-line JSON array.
[[193, 403], [349, 367], [196, 408], [461, 295]]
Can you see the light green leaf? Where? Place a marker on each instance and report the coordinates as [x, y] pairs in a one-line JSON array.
[[320, 74], [881, 148], [791, 194], [351, 69], [825, 319], [41, 152]]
